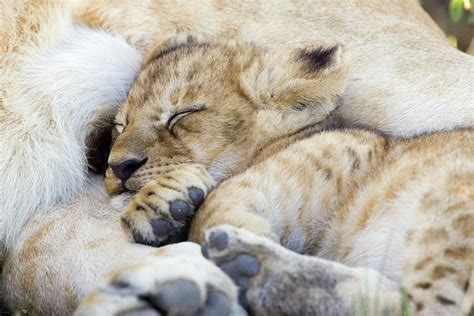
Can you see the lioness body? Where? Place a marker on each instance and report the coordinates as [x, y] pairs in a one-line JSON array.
[[402, 66]]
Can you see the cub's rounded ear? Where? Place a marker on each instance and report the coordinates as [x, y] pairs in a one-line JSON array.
[[171, 44], [321, 59], [98, 141], [311, 78]]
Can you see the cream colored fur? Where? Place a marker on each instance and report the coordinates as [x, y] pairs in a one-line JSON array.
[[49, 103], [59, 76]]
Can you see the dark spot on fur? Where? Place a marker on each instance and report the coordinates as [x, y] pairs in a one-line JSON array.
[[440, 272], [300, 106], [318, 58], [120, 284], [190, 46], [419, 307], [167, 51], [125, 223], [424, 285], [355, 164], [445, 301]]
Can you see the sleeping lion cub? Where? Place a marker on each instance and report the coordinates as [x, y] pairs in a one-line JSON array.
[[379, 213]]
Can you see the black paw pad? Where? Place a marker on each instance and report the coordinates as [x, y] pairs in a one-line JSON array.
[[219, 240], [177, 234], [161, 227], [205, 250], [140, 239], [196, 196], [167, 232], [241, 269], [176, 297], [180, 210], [217, 303]]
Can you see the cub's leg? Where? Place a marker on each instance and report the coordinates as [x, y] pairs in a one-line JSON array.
[[292, 196], [276, 281], [439, 247]]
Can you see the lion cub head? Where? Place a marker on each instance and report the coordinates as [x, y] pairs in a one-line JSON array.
[[216, 103]]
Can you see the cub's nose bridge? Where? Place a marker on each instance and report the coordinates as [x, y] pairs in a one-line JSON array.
[[125, 168]]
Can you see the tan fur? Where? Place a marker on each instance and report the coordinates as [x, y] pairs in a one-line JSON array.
[[431, 204], [401, 64], [317, 192], [219, 136]]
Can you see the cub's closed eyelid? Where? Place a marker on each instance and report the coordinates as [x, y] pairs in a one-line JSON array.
[[177, 116]]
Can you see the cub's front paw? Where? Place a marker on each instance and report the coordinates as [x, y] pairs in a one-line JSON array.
[[161, 212]]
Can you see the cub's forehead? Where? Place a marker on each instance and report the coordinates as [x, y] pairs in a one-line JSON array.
[[179, 79]]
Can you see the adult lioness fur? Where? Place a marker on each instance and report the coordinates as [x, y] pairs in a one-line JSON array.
[[401, 68]]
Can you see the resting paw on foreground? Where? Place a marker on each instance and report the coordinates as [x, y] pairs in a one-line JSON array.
[[175, 280]]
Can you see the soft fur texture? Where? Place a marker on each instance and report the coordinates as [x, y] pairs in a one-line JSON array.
[[396, 210], [47, 114], [401, 67], [191, 133]]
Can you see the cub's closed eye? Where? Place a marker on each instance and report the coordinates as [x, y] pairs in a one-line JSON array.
[[177, 116]]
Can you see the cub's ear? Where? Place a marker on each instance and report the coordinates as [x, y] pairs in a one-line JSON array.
[[171, 44], [303, 79], [98, 141]]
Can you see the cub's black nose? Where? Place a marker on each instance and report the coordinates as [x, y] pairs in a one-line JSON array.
[[125, 169]]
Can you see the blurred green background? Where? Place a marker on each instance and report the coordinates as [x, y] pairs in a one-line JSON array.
[[456, 18]]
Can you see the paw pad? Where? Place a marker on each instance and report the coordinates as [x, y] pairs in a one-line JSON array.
[[196, 196], [161, 227], [242, 268], [176, 297], [219, 240], [180, 210], [217, 303]]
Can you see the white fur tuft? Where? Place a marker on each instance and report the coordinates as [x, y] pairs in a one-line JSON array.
[[51, 101]]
